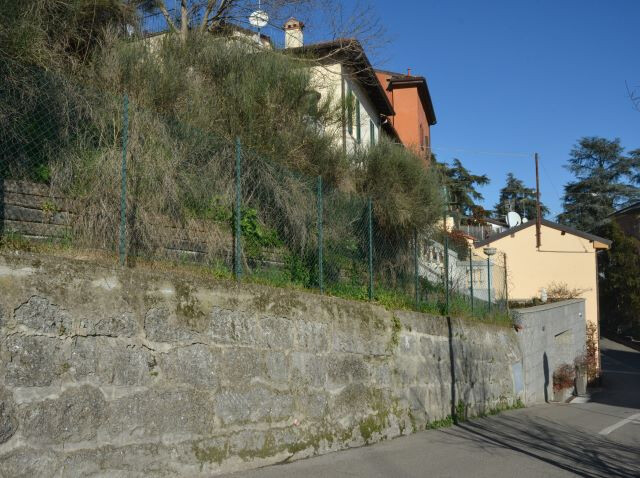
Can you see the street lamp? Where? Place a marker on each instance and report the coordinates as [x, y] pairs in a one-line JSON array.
[[489, 251]]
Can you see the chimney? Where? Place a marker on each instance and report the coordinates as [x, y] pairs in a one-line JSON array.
[[293, 37]]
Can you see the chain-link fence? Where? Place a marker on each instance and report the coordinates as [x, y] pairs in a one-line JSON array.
[[84, 175]]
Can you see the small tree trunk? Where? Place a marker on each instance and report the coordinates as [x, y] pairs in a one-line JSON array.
[[184, 20]]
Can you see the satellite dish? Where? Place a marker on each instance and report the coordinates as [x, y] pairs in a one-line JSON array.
[[259, 18], [513, 219]]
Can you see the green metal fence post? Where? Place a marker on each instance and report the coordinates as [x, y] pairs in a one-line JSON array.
[[123, 174], [415, 267], [489, 282], [471, 277], [370, 221], [237, 265], [320, 240]]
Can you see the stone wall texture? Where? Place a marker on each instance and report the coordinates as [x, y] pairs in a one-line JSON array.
[[108, 372]]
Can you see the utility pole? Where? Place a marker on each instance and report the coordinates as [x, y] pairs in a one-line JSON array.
[[538, 212]]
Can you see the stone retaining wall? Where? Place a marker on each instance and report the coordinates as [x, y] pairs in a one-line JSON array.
[[107, 372], [37, 212], [34, 211]]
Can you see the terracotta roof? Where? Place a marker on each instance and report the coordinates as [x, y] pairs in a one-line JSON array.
[[350, 51], [398, 80], [552, 225]]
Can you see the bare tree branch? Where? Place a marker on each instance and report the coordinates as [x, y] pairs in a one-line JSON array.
[[184, 20], [165, 13], [221, 11], [207, 12], [634, 96]]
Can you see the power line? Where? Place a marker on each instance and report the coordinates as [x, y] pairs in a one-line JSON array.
[[494, 153]]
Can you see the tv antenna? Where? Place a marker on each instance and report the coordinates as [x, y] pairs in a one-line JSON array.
[[513, 219], [259, 19]]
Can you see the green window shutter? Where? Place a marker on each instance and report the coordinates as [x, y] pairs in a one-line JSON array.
[[358, 135], [372, 132]]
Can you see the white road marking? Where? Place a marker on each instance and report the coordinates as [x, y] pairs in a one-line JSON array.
[[579, 400], [621, 423]]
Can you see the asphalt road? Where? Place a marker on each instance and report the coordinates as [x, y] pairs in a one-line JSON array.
[[600, 438]]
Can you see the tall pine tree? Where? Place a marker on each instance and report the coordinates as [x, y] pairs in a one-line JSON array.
[[462, 186], [606, 179], [515, 196]]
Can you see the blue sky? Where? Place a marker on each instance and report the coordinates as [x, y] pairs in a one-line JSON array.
[[510, 77]]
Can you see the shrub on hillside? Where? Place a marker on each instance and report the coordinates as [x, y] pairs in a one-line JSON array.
[[406, 197], [557, 291], [188, 102]]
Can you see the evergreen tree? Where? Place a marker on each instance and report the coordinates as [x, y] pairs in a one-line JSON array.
[[462, 186], [605, 181], [515, 196], [619, 284]]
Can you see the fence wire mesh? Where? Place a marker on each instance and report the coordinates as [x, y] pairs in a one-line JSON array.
[[79, 171]]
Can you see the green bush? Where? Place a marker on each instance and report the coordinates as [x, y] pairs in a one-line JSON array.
[[619, 281], [406, 193], [406, 198]]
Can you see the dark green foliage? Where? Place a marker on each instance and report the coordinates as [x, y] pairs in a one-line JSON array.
[[57, 34], [41, 112], [33, 123], [619, 285], [462, 186], [256, 237], [406, 195], [515, 196], [606, 179], [300, 272]]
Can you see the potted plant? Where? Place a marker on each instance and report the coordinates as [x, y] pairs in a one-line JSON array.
[[563, 382], [518, 321], [582, 368]]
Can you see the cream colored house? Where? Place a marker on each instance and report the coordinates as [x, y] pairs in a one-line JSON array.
[[343, 75], [243, 37], [565, 256]]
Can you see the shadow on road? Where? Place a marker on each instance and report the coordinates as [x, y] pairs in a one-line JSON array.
[[620, 379], [2, 207], [564, 447], [452, 366]]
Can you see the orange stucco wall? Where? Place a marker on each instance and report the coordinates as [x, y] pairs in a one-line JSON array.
[[410, 115]]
